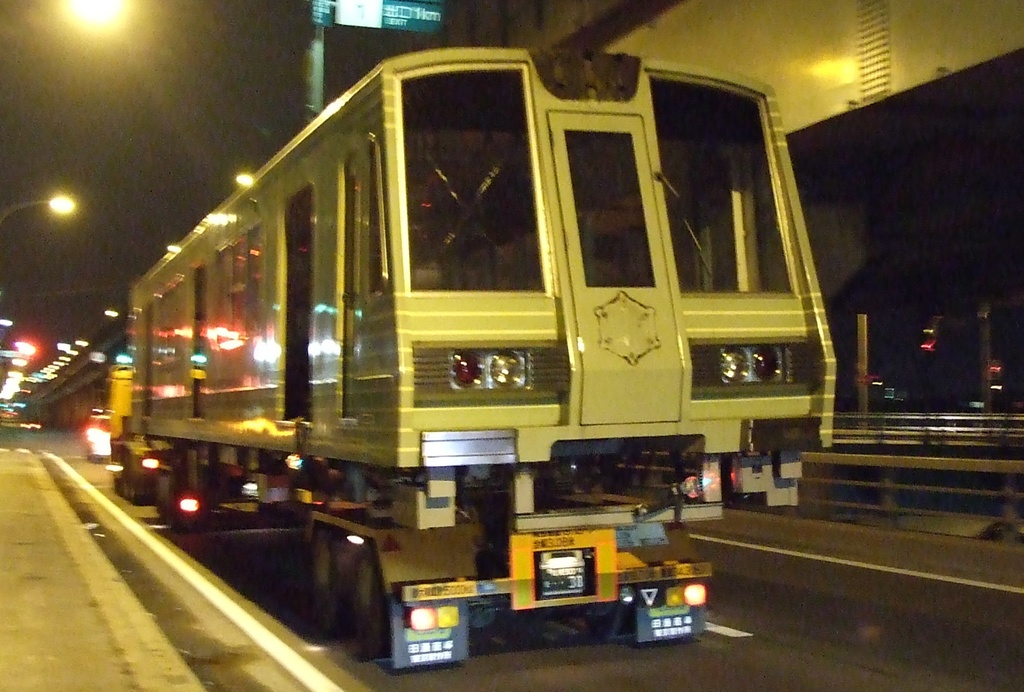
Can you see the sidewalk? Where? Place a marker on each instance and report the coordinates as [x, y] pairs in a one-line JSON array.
[[67, 619]]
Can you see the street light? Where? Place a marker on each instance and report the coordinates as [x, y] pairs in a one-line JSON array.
[[97, 12], [61, 205]]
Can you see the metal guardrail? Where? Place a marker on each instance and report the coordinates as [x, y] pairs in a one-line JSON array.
[[981, 498], [929, 429]]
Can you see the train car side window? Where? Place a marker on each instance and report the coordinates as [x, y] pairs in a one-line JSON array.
[[472, 218], [609, 210], [722, 211]]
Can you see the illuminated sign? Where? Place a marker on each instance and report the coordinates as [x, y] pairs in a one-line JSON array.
[[404, 15]]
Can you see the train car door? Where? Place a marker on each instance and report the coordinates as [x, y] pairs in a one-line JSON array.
[[628, 338], [298, 235]]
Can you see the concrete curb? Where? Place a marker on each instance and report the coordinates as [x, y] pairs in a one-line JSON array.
[[153, 663]]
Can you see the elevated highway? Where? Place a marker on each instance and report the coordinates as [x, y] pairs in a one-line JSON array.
[[798, 605]]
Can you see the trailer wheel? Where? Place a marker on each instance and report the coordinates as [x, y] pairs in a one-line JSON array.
[[372, 624], [165, 498], [129, 486], [326, 586]]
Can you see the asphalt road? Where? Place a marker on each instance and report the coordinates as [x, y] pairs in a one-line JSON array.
[[787, 622]]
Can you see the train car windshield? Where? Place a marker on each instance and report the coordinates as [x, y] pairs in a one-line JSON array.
[[472, 218], [721, 202]]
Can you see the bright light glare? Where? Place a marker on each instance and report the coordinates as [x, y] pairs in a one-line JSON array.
[[244, 179], [62, 204], [97, 12]]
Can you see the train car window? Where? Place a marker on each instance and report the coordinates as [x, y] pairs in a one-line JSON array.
[[472, 217], [172, 341], [254, 282], [609, 210], [722, 209]]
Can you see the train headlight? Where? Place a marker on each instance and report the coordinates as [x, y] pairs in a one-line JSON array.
[[507, 369], [754, 364], [734, 365]]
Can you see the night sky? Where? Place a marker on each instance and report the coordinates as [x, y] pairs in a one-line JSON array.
[[145, 123]]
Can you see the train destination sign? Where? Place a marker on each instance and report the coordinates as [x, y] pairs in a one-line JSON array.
[[405, 15]]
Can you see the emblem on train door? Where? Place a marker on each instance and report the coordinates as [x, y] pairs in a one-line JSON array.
[[625, 327]]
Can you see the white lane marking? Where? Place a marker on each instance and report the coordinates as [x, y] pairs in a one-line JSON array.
[[290, 660], [726, 631], [863, 565]]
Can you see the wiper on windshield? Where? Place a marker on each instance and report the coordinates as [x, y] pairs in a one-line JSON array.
[[661, 178]]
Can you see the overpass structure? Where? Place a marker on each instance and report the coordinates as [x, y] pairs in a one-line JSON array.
[[68, 400]]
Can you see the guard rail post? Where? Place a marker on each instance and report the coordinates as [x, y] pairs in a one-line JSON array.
[[887, 502], [1010, 514]]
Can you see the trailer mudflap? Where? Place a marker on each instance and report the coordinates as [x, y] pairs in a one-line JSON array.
[[447, 642], [662, 613], [658, 619]]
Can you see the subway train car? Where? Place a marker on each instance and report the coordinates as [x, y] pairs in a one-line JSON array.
[[499, 326]]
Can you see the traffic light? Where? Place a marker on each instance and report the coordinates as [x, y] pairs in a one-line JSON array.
[[930, 334], [995, 374]]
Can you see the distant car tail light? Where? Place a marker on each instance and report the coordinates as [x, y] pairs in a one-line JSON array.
[[150, 463], [96, 434], [189, 505]]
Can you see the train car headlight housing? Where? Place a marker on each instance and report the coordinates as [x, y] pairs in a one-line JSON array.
[[486, 369], [733, 364], [767, 361], [507, 369], [761, 363]]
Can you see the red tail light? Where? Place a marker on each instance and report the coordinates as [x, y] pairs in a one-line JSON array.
[[422, 619], [189, 505], [150, 463], [466, 368], [695, 594]]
